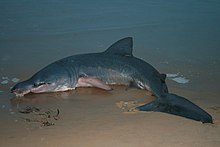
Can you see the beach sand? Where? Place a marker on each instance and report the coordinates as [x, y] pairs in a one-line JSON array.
[[96, 118], [177, 38], [93, 117]]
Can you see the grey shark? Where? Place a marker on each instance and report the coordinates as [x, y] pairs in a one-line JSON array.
[[116, 65]]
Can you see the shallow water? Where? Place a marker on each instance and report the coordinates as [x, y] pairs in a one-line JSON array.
[[176, 37]]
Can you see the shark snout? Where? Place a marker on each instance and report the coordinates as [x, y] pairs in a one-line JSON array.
[[22, 88]]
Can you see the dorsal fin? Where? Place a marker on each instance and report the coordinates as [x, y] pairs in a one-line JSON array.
[[122, 47]]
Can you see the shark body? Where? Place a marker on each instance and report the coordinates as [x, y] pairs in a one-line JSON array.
[[116, 65]]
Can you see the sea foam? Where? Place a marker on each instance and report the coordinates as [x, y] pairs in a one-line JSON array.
[[177, 78]]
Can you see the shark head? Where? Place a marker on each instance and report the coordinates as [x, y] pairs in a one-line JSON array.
[[50, 79]]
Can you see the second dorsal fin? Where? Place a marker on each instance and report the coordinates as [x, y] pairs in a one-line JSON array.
[[122, 47]]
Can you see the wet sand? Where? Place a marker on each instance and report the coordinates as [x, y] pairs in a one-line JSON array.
[[176, 37], [91, 117]]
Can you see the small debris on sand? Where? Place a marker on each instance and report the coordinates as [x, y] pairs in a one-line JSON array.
[[29, 110], [45, 117], [128, 106]]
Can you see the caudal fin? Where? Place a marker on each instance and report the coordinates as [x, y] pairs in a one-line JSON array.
[[177, 105]]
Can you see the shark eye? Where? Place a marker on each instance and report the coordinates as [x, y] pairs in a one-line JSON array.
[[38, 84]]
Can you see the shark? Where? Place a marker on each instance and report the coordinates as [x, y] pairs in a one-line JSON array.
[[115, 66]]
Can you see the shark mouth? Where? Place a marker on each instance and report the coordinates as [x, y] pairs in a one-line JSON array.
[[18, 94], [40, 89]]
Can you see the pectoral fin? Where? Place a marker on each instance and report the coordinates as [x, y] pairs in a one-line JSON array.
[[92, 82]]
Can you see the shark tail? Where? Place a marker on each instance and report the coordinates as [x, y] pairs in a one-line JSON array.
[[177, 105]]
